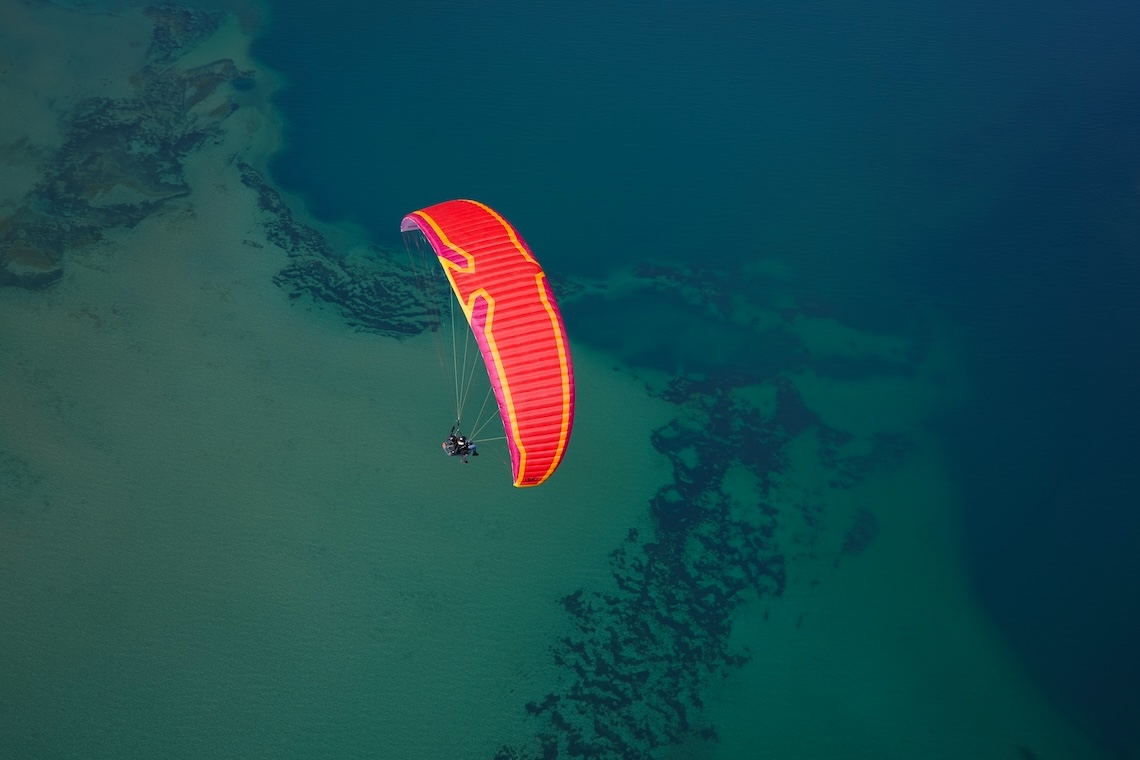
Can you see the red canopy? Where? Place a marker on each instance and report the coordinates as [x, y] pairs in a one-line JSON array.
[[519, 329]]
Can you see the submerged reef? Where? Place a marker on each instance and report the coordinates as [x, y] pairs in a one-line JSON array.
[[376, 294], [122, 158], [178, 30], [644, 651]]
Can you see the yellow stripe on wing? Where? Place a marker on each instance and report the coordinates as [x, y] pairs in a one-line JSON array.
[[564, 371]]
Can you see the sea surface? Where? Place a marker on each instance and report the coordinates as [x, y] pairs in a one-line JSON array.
[[904, 162], [852, 295]]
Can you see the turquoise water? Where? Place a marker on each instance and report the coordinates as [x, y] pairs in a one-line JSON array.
[[978, 162], [851, 297]]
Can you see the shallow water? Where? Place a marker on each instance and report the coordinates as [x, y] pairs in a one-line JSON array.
[[849, 294]]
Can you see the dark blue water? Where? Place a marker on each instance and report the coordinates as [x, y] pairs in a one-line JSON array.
[[1047, 456], [979, 161], [682, 130]]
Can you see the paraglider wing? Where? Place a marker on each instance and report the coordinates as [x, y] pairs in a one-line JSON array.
[[517, 324]]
